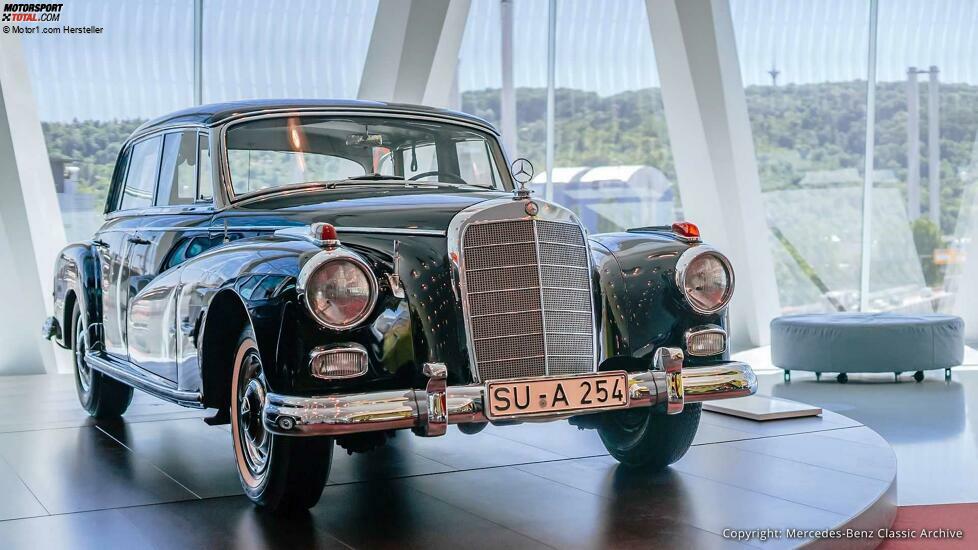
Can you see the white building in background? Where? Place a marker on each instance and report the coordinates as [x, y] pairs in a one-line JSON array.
[[613, 198]]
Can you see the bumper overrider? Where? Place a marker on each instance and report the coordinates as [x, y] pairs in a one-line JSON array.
[[429, 411]]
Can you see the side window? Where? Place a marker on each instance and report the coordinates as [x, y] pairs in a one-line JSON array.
[[205, 184], [141, 178], [118, 180], [178, 172]]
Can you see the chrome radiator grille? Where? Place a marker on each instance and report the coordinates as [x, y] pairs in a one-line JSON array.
[[529, 298]]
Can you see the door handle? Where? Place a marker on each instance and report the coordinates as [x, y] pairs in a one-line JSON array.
[[100, 243], [138, 240]]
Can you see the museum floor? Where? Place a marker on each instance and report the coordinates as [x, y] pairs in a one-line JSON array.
[[163, 478]]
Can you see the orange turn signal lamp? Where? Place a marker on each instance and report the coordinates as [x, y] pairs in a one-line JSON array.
[[688, 230]]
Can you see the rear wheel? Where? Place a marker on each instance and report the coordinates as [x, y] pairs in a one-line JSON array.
[[649, 439], [276, 472], [100, 395]]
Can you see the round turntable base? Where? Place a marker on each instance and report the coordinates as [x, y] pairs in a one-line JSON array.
[[163, 478]]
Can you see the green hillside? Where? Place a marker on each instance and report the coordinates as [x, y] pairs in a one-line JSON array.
[[797, 129]]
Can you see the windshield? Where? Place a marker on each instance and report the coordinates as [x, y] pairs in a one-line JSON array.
[[279, 152]]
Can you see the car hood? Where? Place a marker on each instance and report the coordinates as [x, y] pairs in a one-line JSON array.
[[373, 206]]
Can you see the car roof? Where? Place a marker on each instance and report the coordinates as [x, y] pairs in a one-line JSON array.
[[216, 113]]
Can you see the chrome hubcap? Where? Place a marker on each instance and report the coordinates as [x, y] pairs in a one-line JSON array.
[[84, 371], [251, 400]]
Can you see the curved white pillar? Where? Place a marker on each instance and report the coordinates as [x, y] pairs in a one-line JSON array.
[[31, 231]]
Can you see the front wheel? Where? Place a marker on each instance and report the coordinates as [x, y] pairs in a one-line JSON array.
[[100, 395], [649, 439], [276, 472]]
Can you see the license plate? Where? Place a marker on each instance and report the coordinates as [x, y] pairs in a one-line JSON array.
[[604, 390]]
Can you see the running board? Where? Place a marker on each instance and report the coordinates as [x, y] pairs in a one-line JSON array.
[[131, 375]]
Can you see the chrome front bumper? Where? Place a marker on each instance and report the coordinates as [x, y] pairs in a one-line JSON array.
[[429, 411]]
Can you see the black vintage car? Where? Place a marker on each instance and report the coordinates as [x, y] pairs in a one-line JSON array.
[[334, 271]]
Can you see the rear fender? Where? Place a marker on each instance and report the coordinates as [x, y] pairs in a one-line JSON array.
[[78, 279]]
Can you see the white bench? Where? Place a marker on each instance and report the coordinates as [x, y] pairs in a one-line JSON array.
[[867, 342]]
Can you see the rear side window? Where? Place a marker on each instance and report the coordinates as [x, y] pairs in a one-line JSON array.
[[141, 177], [178, 172]]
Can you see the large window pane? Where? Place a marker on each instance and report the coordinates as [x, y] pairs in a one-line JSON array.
[[804, 68], [291, 48], [480, 72], [613, 165], [93, 90], [925, 59]]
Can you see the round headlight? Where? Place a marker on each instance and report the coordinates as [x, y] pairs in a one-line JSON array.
[[705, 279], [339, 291]]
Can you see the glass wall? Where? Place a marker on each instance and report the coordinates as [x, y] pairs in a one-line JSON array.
[[291, 49], [804, 68], [480, 73], [93, 90], [613, 165], [612, 160], [927, 145]]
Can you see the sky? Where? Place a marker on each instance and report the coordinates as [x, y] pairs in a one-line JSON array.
[[142, 64]]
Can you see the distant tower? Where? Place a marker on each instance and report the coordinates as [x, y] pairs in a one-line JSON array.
[[774, 72]]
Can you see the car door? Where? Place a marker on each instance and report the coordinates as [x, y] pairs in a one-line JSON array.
[[137, 173], [175, 230]]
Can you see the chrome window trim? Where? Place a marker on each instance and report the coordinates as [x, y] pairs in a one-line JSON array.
[[320, 351], [701, 330], [227, 185], [682, 265], [322, 258], [509, 209]]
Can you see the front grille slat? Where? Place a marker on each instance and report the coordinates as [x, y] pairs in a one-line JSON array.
[[529, 298]]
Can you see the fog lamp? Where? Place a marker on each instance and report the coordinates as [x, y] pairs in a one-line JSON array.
[[706, 340], [338, 363]]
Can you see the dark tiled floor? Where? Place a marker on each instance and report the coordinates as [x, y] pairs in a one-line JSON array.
[[932, 426], [163, 478]]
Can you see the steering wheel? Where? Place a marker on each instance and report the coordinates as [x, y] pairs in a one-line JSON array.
[[450, 178]]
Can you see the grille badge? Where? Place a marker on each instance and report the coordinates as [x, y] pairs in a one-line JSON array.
[[532, 208]]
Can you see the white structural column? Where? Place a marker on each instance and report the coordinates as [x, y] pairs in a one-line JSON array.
[[413, 53], [31, 231], [713, 149], [507, 95], [966, 300]]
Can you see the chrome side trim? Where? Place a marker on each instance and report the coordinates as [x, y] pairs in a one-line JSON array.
[[394, 231], [131, 375], [302, 231], [422, 409], [685, 259]]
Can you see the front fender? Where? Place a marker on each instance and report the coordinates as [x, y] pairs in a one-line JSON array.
[[227, 288], [77, 279], [651, 312]]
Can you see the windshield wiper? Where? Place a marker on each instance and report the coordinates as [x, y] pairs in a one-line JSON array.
[[376, 176]]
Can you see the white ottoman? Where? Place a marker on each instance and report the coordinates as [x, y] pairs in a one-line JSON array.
[[867, 342]]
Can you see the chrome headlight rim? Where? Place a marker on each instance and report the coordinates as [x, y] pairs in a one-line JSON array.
[[320, 261], [686, 259]]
